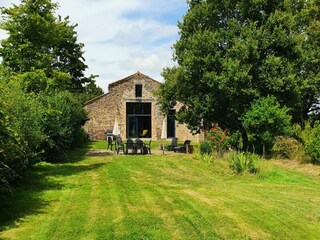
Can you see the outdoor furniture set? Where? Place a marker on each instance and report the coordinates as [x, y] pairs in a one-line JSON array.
[[139, 147], [134, 147], [185, 148]]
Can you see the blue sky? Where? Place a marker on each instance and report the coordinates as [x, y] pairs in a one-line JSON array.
[[123, 36]]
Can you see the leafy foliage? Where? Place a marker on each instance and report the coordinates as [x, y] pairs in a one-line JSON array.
[[288, 147], [42, 88], [312, 145], [265, 120], [90, 90], [63, 118], [38, 40], [231, 53], [218, 138], [243, 162], [21, 132], [205, 148]]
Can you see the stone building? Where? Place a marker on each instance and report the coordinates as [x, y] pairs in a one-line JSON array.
[[132, 103]]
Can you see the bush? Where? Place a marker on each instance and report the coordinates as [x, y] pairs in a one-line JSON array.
[[288, 147], [35, 127], [265, 120], [21, 133], [218, 139], [304, 135], [205, 148], [63, 119], [243, 162], [312, 145]]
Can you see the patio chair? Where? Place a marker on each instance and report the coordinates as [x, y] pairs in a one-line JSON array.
[[183, 149], [110, 142], [119, 145], [174, 143], [140, 146], [130, 145], [148, 147]]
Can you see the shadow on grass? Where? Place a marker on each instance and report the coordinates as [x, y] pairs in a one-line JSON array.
[[27, 196]]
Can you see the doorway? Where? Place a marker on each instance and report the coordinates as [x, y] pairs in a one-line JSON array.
[[139, 120]]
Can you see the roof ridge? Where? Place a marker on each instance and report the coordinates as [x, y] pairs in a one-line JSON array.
[[138, 73]]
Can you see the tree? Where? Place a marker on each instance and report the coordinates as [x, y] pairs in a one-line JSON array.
[[233, 52], [265, 120], [90, 90], [38, 40]]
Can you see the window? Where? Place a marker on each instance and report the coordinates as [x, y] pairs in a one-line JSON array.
[[171, 124], [139, 120], [138, 90]]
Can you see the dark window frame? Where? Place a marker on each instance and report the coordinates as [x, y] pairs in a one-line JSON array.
[[138, 90], [171, 123], [138, 113]]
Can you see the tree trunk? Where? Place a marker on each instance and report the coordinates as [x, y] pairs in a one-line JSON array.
[[245, 140]]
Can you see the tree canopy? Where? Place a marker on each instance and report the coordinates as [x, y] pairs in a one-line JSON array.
[[38, 39], [231, 53], [42, 88]]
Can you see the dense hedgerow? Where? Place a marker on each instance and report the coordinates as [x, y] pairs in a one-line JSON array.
[[35, 127], [312, 143]]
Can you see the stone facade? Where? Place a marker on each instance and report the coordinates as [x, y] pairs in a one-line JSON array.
[[105, 109]]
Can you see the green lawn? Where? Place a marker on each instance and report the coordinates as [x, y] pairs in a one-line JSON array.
[[160, 197]]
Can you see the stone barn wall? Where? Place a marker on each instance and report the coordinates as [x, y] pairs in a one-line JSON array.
[[103, 110]]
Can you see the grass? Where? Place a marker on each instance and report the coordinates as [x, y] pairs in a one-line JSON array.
[[159, 197]]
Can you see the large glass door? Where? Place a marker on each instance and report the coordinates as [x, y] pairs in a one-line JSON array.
[[139, 120]]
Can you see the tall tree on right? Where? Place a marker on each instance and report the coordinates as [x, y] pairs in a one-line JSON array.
[[231, 53]]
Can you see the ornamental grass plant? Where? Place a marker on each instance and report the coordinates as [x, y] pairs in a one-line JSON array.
[[243, 162]]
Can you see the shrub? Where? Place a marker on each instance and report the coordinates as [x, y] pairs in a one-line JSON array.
[[21, 133], [312, 145], [265, 120], [205, 147], [63, 119], [303, 134], [288, 147], [218, 138], [243, 162], [235, 140]]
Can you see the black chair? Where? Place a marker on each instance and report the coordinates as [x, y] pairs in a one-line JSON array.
[[119, 145], [110, 142], [174, 143], [183, 149], [140, 146], [130, 146], [148, 147]]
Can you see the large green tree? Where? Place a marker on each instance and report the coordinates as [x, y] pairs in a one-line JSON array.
[[37, 39], [233, 52]]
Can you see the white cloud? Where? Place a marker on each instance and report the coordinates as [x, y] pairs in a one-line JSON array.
[[122, 37]]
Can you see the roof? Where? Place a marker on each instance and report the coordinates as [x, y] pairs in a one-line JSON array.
[[95, 99], [137, 74]]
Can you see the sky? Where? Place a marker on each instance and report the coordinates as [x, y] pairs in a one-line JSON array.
[[122, 37]]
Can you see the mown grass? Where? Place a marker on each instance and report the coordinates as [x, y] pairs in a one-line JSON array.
[[159, 197]]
